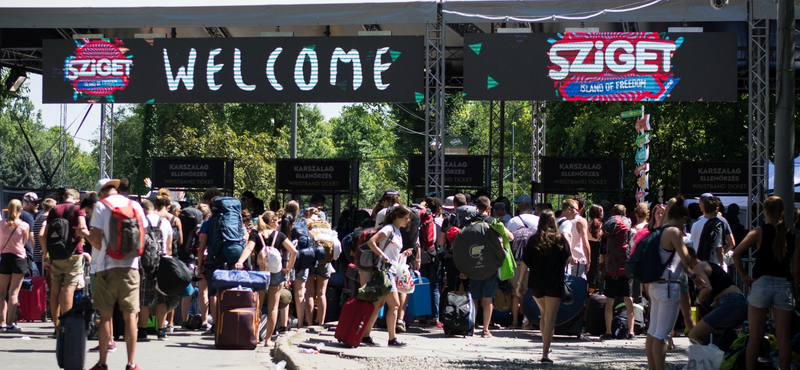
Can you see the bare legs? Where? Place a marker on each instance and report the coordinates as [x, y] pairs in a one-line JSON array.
[[273, 296], [548, 308]]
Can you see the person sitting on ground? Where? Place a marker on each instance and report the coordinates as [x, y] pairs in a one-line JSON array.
[[545, 257], [723, 302]]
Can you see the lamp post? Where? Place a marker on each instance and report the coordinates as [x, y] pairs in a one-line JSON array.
[[514, 155]]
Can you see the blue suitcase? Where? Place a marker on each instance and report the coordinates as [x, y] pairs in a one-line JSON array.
[[420, 302], [71, 340]]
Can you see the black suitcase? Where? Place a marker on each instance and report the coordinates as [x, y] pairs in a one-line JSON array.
[[595, 314], [71, 340], [457, 313], [333, 309]]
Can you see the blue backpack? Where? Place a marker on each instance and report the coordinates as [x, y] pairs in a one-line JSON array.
[[307, 253], [644, 265], [226, 231]]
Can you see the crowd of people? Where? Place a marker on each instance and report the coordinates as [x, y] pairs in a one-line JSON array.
[[695, 246]]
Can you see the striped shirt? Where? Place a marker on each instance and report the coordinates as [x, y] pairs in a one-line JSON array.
[[38, 224]]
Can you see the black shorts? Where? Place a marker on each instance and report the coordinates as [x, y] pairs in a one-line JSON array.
[[10, 263], [617, 286]]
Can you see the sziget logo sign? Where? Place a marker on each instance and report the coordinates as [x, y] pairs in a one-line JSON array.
[[98, 69], [613, 66]]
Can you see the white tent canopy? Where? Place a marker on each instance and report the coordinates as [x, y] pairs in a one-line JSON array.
[[771, 174]]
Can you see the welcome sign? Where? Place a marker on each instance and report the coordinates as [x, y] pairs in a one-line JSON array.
[[226, 70], [606, 66]]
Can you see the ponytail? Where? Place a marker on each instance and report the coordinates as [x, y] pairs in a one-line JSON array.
[[773, 206]]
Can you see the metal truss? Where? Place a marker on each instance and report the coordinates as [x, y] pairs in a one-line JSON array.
[[538, 144], [216, 32], [28, 58], [434, 105], [107, 140], [497, 129], [758, 117], [464, 28]]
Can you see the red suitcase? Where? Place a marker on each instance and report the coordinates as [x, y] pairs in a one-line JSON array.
[[237, 320], [33, 304], [353, 321]]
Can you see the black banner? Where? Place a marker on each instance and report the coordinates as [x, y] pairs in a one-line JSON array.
[[228, 70], [313, 175], [193, 173], [728, 178], [461, 171], [608, 66], [571, 174]]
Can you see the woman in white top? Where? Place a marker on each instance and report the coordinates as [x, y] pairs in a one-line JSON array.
[[147, 292], [387, 243]]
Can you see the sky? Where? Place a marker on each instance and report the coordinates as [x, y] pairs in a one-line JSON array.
[[51, 113]]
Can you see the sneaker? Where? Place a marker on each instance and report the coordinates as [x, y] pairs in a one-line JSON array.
[[142, 336], [133, 367], [607, 336], [111, 348], [515, 326], [162, 334], [438, 325], [546, 361], [3, 328], [55, 334], [486, 334], [401, 326], [170, 329], [630, 336], [367, 341], [99, 367], [13, 329], [396, 343], [211, 330]]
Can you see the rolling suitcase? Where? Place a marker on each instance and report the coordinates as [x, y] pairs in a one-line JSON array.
[[570, 317], [353, 321], [333, 309], [237, 320], [419, 303], [595, 314], [71, 340], [457, 312], [33, 303]]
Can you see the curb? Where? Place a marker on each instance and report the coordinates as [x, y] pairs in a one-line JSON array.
[[285, 351]]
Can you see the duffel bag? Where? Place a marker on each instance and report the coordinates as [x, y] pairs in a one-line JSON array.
[[256, 280]]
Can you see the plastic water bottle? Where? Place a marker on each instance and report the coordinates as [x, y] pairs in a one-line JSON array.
[[309, 351], [280, 365]]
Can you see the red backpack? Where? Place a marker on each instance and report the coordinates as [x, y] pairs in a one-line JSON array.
[[126, 232], [362, 236], [616, 230], [427, 231]]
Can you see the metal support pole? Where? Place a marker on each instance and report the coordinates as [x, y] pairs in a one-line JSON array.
[[63, 145], [538, 126], [106, 140], [784, 110], [758, 116], [293, 149], [434, 105]]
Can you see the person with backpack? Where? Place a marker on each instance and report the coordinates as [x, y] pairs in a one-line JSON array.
[[117, 235], [387, 243], [595, 243], [451, 225], [63, 244], [172, 213], [523, 226], [430, 257], [202, 284], [665, 291], [707, 232], [320, 234], [267, 242], [617, 284], [157, 241], [544, 257], [39, 235], [14, 235], [775, 280]]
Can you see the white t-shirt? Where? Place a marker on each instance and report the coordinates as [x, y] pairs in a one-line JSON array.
[[392, 246], [697, 230], [101, 220], [576, 242], [524, 219], [166, 229], [565, 227]]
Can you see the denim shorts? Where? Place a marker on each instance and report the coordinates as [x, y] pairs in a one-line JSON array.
[[323, 271], [393, 278], [485, 288], [276, 279], [731, 311], [772, 291]]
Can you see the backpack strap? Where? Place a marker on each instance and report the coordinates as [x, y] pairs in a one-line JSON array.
[[9, 236], [69, 212]]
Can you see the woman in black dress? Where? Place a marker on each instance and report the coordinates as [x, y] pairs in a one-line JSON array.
[[546, 254]]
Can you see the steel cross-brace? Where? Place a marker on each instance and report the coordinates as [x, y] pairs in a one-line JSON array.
[[434, 105]]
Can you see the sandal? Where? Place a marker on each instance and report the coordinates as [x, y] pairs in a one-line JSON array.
[[486, 334]]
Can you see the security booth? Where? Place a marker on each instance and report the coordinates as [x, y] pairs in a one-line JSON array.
[[330, 177]]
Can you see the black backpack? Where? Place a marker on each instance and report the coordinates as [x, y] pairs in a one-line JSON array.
[[60, 244], [153, 242], [711, 234], [191, 221]]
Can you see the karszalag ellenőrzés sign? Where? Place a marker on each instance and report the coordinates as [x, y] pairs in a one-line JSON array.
[[192, 172], [714, 177], [563, 174], [606, 66], [223, 70], [459, 171], [313, 175]]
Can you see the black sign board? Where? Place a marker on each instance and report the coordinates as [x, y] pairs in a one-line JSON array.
[[313, 175], [193, 173], [461, 171], [227, 70], [571, 174], [641, 66], [728, 178]]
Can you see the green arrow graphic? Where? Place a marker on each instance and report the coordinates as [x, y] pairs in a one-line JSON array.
[[490, 83], [476, 48]]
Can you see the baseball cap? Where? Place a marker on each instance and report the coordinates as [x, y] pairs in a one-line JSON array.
[[30, 197], [104, 183], [524, 198], [705, 196], [389, 192], [448, 203]]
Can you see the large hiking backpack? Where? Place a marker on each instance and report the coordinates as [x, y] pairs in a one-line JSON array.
[[60, 244], [307, 252], [478, 251], [153, 242], [710, 237], [616, 230], [226, 231], [191, 221], [644, 265], [173, 276], [521, 237], [126, 231], [325, 240], [427, 232], [411, 231], [361, 237]]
